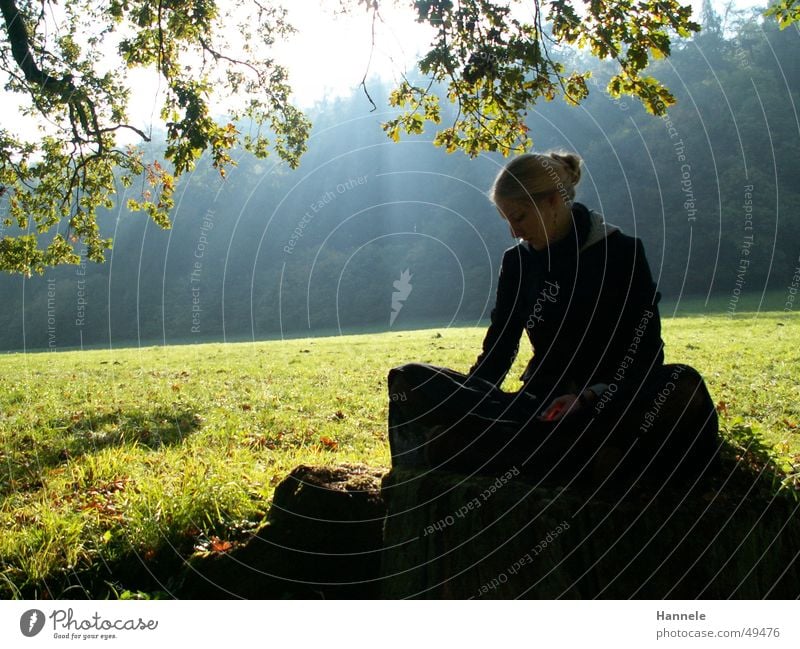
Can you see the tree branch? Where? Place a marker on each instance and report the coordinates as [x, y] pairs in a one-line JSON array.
[[20, 41], [363, 83], [81, 108]]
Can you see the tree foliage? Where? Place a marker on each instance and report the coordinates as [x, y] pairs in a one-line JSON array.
[[786, 12], [494, 62], [497, 65], [56, 56]]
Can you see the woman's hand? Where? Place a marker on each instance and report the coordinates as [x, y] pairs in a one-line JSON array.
[[561, 407]]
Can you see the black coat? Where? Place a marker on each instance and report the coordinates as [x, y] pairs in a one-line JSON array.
[[589, 306]]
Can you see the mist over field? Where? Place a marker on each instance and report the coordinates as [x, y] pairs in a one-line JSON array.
[[267, 252]]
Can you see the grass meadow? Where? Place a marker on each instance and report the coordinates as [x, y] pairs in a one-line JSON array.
[[109, 454]]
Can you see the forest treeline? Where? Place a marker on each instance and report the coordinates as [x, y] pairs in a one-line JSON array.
[[372, 234]]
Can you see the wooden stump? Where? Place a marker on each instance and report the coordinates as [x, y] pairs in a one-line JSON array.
[[453, 536], [323, 538]]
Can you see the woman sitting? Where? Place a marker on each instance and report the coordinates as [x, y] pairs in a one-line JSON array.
[[596, 396]]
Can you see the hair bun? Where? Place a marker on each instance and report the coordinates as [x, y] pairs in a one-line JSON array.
[[571, 164], [532, 174]]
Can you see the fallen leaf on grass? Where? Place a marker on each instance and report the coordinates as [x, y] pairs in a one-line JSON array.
[[218, 545], [101, 499], [262, 441], [328, 443]]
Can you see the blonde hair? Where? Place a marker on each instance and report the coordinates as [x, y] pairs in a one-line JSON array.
[[532, 175]]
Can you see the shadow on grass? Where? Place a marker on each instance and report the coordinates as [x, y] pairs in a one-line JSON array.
[[68, 439], [156, 573]]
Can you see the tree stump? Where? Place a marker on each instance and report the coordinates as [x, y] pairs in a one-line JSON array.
[[453, 536], [338, 532], [322, 539]]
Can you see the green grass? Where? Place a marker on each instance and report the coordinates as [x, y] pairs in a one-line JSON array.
[[747, 305], [106, 455]]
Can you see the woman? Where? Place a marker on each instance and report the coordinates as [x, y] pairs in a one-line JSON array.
[[596, 389]]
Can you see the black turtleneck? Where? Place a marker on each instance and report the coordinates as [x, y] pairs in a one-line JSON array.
[[591, 314]]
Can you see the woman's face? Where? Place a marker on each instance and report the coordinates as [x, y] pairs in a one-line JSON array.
[[531, 221]]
